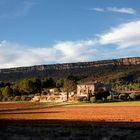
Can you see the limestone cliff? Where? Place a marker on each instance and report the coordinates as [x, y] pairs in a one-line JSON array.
[[62, 70]]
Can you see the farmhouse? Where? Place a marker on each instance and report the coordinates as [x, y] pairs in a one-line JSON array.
[[83, 91], [92, 88]]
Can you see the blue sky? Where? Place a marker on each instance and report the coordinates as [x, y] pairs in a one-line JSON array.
[[36, 32]]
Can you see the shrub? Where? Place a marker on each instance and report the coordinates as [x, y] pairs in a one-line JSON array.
[[28, 98], [1, 96], [9, 98], [134, 96], [23, 98], [122, 97], [7, 91], [4, 99], [16, 98]]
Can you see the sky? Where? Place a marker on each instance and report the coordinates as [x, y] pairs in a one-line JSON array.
[[35, 32]]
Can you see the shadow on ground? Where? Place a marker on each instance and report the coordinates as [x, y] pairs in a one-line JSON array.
[[67, 130]]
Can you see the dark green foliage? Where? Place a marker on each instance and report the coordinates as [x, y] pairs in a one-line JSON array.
[[7, 91], [17, 98], [10, 98], [26, 86], [37, 85], [16, 90], [2, 84], [134, 96], [102, 95], [1, 96], [60, 83], [48, 83], [123, 97]]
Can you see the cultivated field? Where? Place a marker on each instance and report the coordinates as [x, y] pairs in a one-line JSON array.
[[105, 112], [75, 121]]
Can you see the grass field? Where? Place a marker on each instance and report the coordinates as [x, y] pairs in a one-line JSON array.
[[132, 103]]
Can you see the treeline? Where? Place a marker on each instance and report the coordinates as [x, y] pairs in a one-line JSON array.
[[26, 89]]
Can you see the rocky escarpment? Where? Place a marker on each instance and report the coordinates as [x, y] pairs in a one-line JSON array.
[[61, 70]]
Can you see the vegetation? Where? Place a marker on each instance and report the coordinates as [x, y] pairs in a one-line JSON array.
[[26, 89], [23, 83]]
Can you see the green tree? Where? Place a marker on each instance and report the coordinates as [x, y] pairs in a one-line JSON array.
[[7, 91], [60, 83], [1, 84], [15, 89], [1, 95], [48, 83], [37, 86], [26, 86]]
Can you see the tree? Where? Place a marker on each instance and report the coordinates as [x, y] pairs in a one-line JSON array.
[[69, 85], [36, 84], [15, 89], [1, 84], [48, 83], [60, 83], [26, 86], [7, 91], [1, 96]]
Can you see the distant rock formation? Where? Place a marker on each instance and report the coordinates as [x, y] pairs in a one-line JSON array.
[[62, 70]]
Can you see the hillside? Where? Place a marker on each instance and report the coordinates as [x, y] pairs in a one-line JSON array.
[[123, 69]]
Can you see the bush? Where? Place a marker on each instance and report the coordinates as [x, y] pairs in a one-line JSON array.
[[28, 99], [16, 98], [134, 96], [9, 98], [7, 91], [4, 99], [1, 96], [122, 97], [23, 98]]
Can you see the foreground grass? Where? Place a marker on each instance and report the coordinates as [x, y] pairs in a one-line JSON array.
[[130, 103]]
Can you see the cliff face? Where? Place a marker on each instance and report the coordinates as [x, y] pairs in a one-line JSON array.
[[129, 61], [62, 70]]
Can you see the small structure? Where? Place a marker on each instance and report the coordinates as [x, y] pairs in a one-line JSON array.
[[83, 90]]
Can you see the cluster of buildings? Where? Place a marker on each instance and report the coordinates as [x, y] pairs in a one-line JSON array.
[[82, 92]]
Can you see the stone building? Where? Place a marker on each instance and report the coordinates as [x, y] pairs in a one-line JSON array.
[[84, 89]]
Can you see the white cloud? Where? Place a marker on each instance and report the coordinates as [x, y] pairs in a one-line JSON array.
[[124, 35], [97, 9], [123, 40], [124, 10], [15, 55]]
